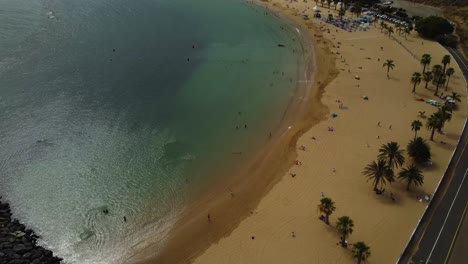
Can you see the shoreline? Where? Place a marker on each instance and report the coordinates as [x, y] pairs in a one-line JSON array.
[[192, 234], [290, 207]]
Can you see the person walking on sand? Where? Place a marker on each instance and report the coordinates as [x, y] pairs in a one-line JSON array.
[[378, 124], [390, 127], [209, 218]]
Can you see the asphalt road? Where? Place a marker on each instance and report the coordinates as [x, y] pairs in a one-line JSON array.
[[436, 242], [436, 234], [459, 254], [416, 9]]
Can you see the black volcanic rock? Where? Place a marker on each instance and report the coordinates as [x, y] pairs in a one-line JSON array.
[[18, 244]]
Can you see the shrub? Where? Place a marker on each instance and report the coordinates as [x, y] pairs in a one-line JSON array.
[[433, 26], [419, 150]]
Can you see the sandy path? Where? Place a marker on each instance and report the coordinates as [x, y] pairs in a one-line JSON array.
[[383, 224]]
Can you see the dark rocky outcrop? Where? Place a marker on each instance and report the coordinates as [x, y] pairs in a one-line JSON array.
[[18, 244]]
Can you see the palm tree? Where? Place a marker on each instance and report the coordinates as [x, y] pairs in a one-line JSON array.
[[442, 80], [422, 114], [419, 150], [416, 126], [345, 227], [433, 123], [382, 26], [415, 80], [456, 96], [361, 251], [398, 29], [450, 71], [327, 207], [427, 77], [407, 32], [345, 4], [329, 3], [390, 65], [341, 13], [379, 173], [445, 114], [392, 155], [335, 2], [356, 10], [411, 175], [437, 71], [425, 61], [389, 31], [445, 61]]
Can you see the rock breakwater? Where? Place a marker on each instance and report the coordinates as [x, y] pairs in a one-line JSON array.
[[18, 245]]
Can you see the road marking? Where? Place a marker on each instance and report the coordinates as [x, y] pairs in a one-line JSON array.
[[461, 59], [456, 234], [448, 213]]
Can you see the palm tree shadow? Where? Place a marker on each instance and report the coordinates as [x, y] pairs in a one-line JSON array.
[[388, 197], [415, 192], [445, 145], [452, 136], [433, 166]]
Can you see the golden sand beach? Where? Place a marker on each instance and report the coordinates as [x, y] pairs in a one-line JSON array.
[[334, 161], [272, 217]]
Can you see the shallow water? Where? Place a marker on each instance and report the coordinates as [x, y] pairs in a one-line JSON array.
[[100, 109]]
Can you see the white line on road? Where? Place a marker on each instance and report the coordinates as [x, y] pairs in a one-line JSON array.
[[448, 213], [461, 59]]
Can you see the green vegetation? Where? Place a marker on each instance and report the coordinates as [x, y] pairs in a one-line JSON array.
[[437, 73], [412, 176], [344, 225], [390, 65], [425, 61], [416, 126], [390, 31], [450, 71], [379, 173], [433, 122], [456, 11], [341, 13], [446, 61], [392, 155], [419, 150], [427, 77], [327, 207], [361, 251], [433, 26], [415, 80]]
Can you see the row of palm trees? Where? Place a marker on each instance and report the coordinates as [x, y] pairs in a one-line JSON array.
[[345, 226], [401, 30], [438, 119], [439, 75], [390, 158], [389, 30]]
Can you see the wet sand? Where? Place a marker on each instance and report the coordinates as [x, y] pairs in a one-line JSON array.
[[235, 198]]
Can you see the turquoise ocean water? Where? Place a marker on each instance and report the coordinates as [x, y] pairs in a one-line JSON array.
[[131, 106]]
